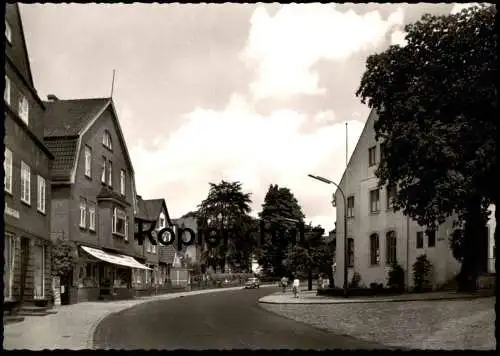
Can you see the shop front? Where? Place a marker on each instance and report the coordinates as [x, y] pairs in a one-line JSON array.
[[102, 275]]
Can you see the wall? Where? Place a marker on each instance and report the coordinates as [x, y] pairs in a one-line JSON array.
[[358, 181], [89, 188], [492, 224]]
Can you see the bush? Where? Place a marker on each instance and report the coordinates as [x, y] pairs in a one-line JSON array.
[[356, 278], [396, 277], [421, 273], [62, 258]]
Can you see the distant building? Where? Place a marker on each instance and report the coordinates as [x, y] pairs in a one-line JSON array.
[[27, 164], [378, 236], [189, 220], [160, 257]]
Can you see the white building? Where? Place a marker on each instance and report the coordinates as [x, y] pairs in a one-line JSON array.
[[376, 234]]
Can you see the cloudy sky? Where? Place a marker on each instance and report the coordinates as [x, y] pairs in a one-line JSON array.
[[258, 93]]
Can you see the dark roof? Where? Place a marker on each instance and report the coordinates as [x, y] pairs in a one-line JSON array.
[[153, 207], [64, 151], [69, 117]]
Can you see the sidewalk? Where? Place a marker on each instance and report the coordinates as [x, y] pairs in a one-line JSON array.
[[438, 320], [310, 297], [73, 326]]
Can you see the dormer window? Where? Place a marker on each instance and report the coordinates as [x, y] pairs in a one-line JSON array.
[[8, 32], [106, 140]]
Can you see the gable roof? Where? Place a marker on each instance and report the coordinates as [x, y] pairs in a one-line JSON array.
[[70, 117], [153, 208], [369, 121], [66, 121]]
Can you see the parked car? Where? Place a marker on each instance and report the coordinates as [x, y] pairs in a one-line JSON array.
[[252, 283]]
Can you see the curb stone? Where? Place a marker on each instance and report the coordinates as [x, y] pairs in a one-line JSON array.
[[273, 299]]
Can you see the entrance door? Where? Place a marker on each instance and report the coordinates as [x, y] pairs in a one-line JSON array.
[[25, 256], [66, 283]]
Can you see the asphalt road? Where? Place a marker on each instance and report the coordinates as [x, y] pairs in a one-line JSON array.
[[224, 320]]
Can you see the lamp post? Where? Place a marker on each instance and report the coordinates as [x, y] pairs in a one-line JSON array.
[[327, 181]]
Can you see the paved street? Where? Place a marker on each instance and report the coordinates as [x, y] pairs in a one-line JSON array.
[[229, 320]]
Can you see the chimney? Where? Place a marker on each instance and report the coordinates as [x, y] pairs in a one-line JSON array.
[[52, 97]]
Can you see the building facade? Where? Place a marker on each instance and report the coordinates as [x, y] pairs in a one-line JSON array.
[[93, 198], [27, 164], [159, 257], [378, 236]]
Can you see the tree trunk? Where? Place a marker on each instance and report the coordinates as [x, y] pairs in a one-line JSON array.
[[309, 279], [474, 225]]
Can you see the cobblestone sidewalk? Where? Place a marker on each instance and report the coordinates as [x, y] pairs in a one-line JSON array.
[[73, 326], [420, 324]]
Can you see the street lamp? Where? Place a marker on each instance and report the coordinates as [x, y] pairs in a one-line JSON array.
[[327, 181]]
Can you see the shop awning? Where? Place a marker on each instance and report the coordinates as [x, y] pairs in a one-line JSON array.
[[116, 259]]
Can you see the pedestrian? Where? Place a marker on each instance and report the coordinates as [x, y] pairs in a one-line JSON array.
[[284, 283], [296, 284], [320, 281]]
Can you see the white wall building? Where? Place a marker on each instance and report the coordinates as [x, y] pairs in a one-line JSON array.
[[376, 234]]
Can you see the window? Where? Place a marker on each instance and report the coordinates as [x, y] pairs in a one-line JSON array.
[[7, 167], [372, 156], [161, 223], [25, 183], [119, 221], [122, 182], [126, 230], [92, 215], [9, 266], [391, 247], [110, 174], [103, 171], [6, 92], [39, 285], [41, 194], [375, 201], [153, 247], [431, 238], [88, 161], [391, 195], [106, 140], [350, 207], [420, 239], [350, 252], [83, 213], [374, 249], [382, 151], [148, 245], [24, 109]]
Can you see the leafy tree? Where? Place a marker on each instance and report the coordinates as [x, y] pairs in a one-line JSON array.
[[225, 208], [279, 208], [422, 269], [396, 277], [436, 102], [313, 255], [62, 258]]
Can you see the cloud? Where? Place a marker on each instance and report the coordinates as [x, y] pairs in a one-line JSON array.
[[459, 7], [238, 144], [286, 46]]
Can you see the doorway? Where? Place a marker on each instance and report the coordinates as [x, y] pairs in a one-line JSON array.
[[25, 256]]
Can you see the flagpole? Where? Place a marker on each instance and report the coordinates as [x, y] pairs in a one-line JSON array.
[[112, 84]]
